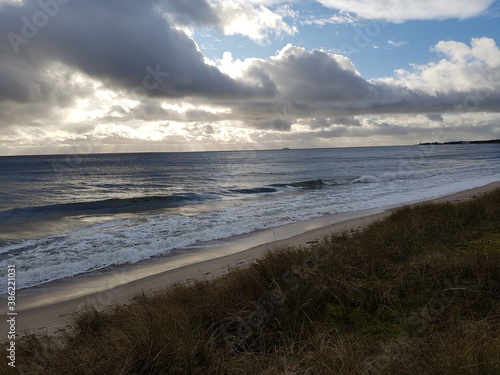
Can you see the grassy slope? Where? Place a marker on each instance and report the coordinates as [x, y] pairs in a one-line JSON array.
[[417, 293]]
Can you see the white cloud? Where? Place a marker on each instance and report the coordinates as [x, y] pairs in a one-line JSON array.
[[475, 69], [272, 2], [335, 19], [396, 44], [405, 10], [233, 68], [286, 11], [481, 50], [255, 22]]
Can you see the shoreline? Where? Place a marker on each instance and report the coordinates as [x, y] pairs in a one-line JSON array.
[[47, 308]]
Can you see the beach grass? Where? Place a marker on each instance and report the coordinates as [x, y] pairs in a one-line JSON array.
[[416, 293]]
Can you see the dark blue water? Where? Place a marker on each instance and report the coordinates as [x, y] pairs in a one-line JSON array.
[[67, 214]]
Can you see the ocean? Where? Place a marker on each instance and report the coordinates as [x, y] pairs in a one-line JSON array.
[[65, 215]]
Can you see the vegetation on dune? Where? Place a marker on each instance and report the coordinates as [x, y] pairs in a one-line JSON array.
[[416, 293]]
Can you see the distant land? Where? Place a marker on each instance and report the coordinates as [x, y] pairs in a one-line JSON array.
[[460, 142]]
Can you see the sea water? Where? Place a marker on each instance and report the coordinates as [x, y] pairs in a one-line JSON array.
[[65, 215]]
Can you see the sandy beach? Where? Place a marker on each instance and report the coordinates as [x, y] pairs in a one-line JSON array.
[[50, 307]]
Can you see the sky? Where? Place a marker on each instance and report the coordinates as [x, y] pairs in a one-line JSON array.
[[89, 76]]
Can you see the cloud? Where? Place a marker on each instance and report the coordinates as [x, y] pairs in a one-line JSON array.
[[159, 61], [404, 10], [481, 50], [269, 2], [474, 70], [396, 44], [406, 127], [127, 45], [320, 85], [255, 22], [435, 117], [193, 12], [328, 122], [275, 124], [153, 110], [119, 72], [339, 18], [312, 84], [315, 76]]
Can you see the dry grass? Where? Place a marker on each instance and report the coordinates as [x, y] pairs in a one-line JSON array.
[[416, 293]]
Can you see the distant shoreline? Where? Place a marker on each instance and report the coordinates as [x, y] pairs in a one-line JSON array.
[[491, 141]]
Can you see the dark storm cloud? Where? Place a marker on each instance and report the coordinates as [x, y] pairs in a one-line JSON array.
[[327, 122], [350, 121], [383, 129], [316, 76], [197, 12], [150, 110], [326, 88], [134, 49], [122, 43], [275, 124], [435, 117], [394, 130], [19, 83], [319, 85]]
